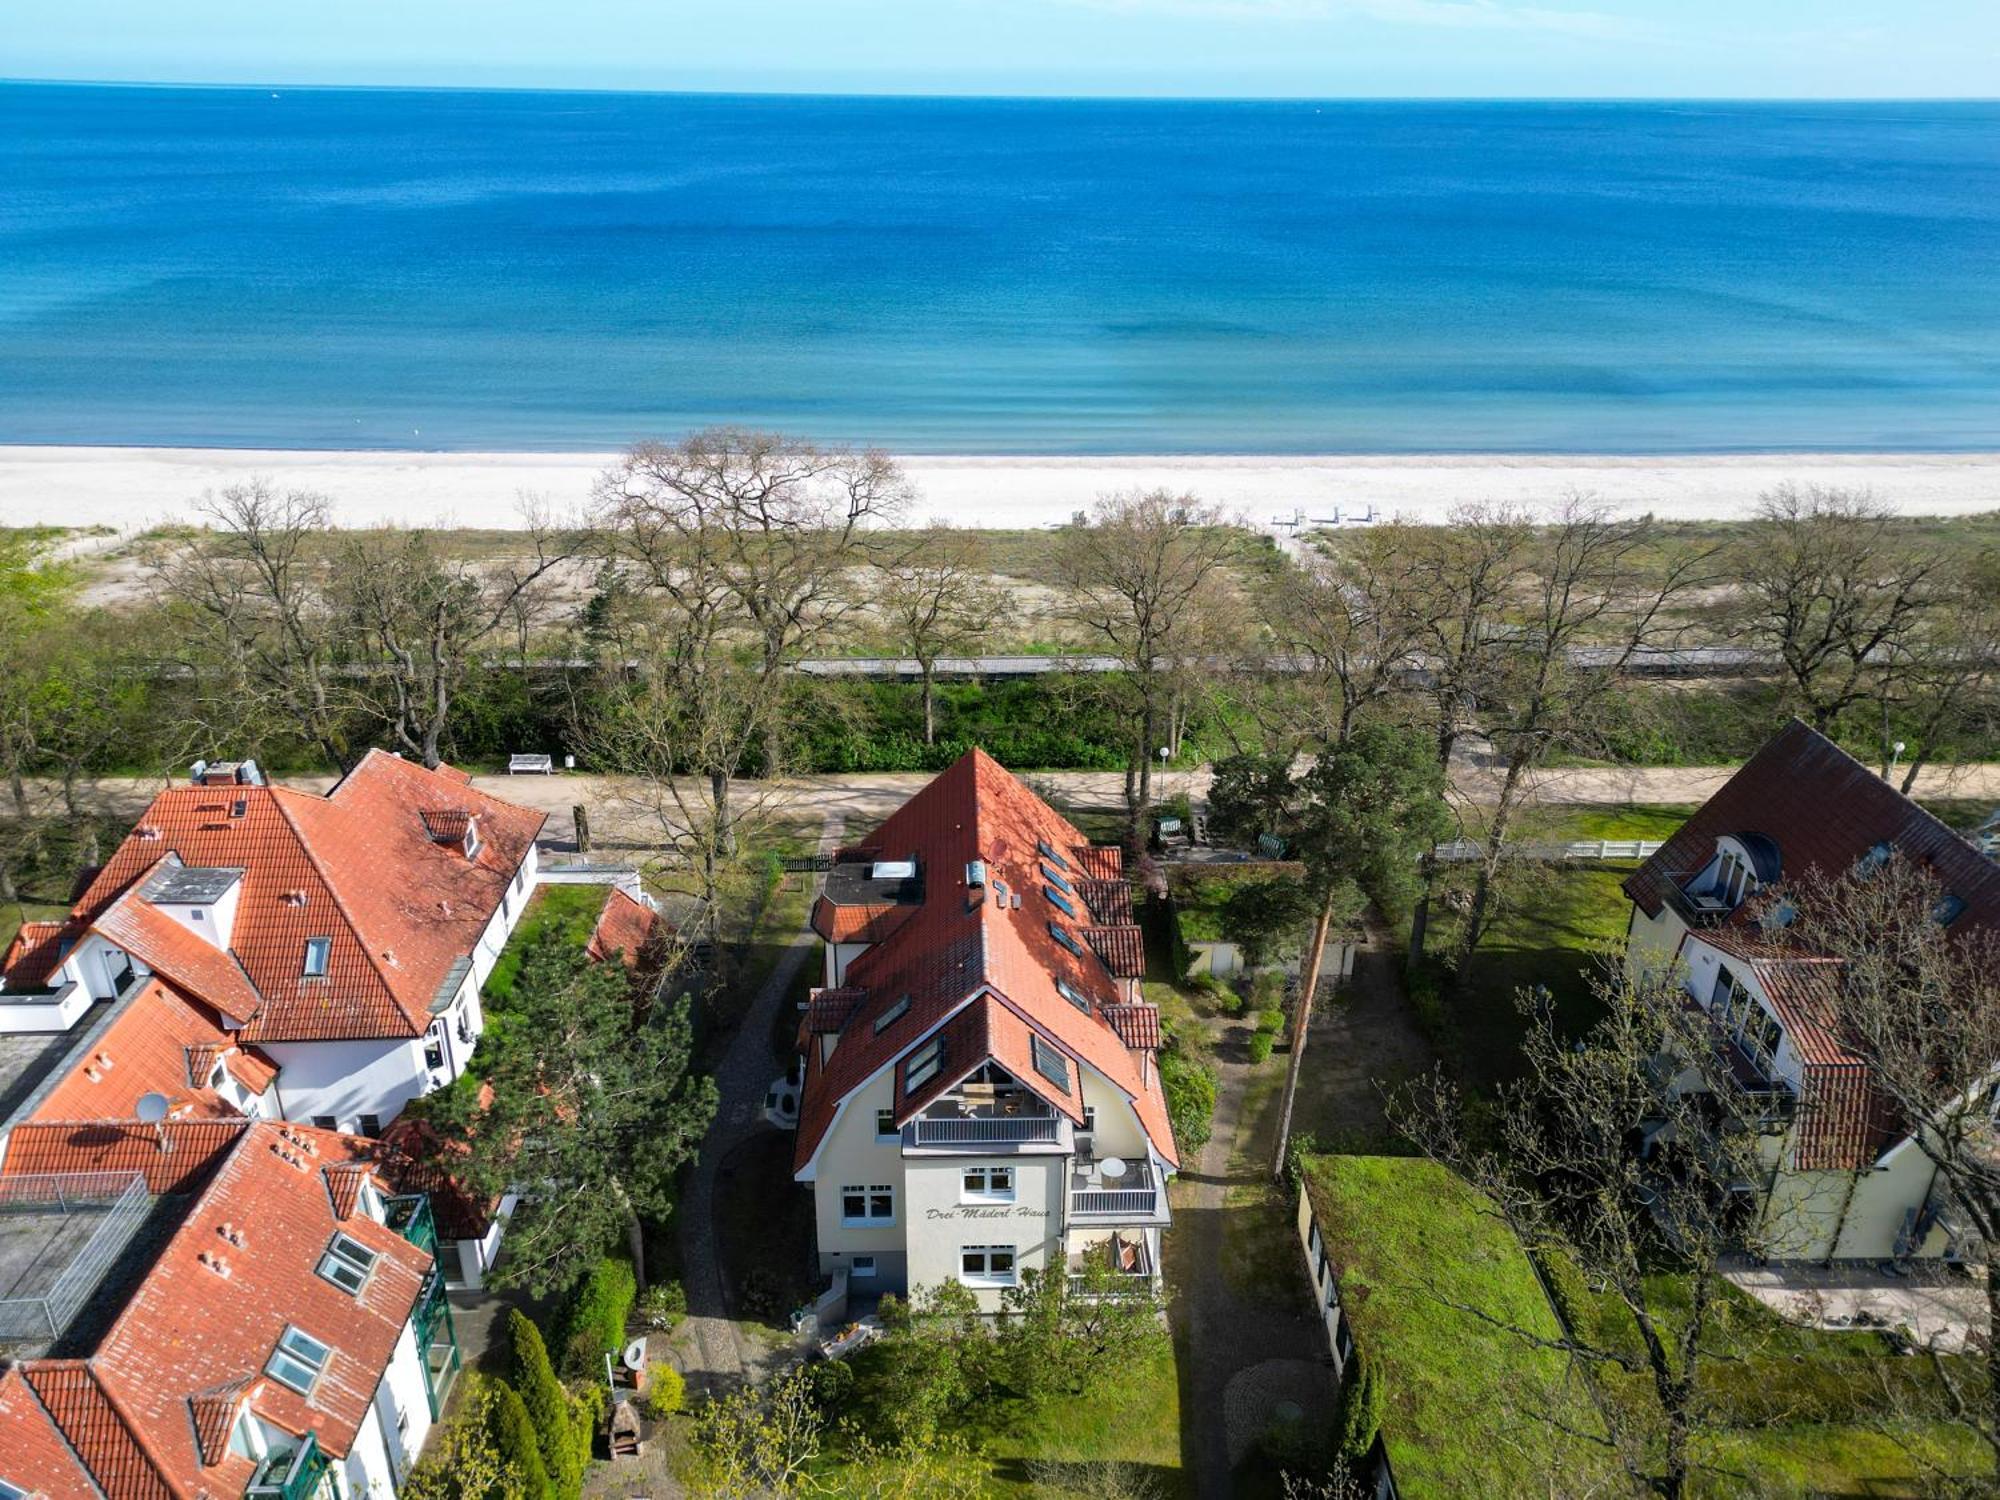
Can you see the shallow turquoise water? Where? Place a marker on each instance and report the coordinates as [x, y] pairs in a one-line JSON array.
[[361, 268]]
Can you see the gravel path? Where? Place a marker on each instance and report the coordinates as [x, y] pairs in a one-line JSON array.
[[719, 1357]]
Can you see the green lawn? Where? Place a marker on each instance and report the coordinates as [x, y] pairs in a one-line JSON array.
[[569, 909], [1469, 1407], [1135, 1421]]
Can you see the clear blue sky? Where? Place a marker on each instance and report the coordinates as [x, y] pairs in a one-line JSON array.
[[1756, 48]]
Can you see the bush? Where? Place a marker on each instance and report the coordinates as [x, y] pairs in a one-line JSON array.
[[550, 1411], [1303, 1143], [594, 1322], [1272, 1020], [1260, 1046], [666, 1391], [662, 1306], [1190, 1089], [1360, 1415], [513, 1438]]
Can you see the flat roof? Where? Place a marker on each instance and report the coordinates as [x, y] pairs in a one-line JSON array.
[[852, 882], [1467, 1404], [190, 885], [29, 1059]]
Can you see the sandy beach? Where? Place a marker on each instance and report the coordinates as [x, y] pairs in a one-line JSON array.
[[131, 488]]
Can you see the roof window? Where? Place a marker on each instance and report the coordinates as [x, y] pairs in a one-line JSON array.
[[1950, 907], [347, 1264], [1059, 901], [298, 1360], [892, 1015], [317, 951], [1048, 853], [1061, 935], [1057, 881], [923, 1065], [893, 869], [1072, 994], [1051, 1064], [1872, 861]]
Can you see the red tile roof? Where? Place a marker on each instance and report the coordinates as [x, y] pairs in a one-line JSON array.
[[982, 963], [857, 924], [1138, 1026], [360, 867], [34, 953], [160, 1042], [630, 929], [1110, 901], [174, 1156], [97, 1429], [1123, 949], [34, 1455]]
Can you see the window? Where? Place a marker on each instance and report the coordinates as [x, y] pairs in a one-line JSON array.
[[1051, 1064], [1761, 1035], [1722, 1003], [1872, 861], [197, 914], [1089, 1119], [1058, 900], [506, 908], [1048, 853], [986, 1265], [1949, 909], [472, 843], [371, 1125], [885, 1125], [11, 1492], [1061, 935], [892, 1015], [347, 1263], [923, 1065], [325, 1122], [297, 1361], [874, 1205], [1075, 997], [861, 1268], [317, 950], [520, 875], [987, 1185], [1057, 881]]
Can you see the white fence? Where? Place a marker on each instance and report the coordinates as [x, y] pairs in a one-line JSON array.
[[1623, 851]]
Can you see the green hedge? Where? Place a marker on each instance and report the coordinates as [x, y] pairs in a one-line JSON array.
[[594, 1319]]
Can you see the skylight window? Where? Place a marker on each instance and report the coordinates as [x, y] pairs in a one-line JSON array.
[[892, 1015], [1059, 901], [1872, 861], [1048, 853], [923, 1065], [347, 1263], [1061, 935], [1057, 881], [1949, 909], [1075, 997], [1051, 1064], [317, 951], [297, 1361]]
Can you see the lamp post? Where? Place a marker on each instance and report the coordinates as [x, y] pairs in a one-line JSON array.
[[1893, 758]]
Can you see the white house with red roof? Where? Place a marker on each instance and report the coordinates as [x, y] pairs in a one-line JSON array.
[[1846, 1180], [288, 1340], [981, 1092], [251, 948]]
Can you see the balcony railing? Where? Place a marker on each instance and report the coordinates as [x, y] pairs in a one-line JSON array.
[[1697, 910], [295, 1474], [1003, 1130], [409, 1214], [1114, 1203]]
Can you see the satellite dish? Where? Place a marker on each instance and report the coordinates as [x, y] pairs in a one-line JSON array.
[[152, 1108], [635, 1355]]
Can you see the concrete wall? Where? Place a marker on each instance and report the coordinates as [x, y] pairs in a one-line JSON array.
[[1850, 1215], [943, 1221], [348, 1079]]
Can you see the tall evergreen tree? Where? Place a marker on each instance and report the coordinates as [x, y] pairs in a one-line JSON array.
[[513, 1434], [549, 1407]]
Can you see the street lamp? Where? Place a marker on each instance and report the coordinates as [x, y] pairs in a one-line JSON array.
[[1896, 756]]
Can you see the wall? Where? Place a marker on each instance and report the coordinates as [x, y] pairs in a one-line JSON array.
[[941, 1222], [851, 1154], [838, 957], [1812, 1216], [348, 1079]]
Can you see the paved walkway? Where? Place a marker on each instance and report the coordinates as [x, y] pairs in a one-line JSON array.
[[719, 1358], [1934, 1305], [1247, 1354]]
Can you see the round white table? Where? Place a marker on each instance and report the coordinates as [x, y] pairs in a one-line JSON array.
[[1111, 1168]]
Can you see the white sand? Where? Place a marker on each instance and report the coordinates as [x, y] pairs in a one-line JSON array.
[[128, 488]]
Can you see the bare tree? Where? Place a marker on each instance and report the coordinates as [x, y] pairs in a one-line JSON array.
[[938, 595], [1351, 618], [1146, 579], [1833, 589], [420, 621], [748, 541], [1940, 677], [1567, 1174], [254, 588]]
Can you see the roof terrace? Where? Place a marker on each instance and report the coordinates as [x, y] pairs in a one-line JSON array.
[[61, 1236]]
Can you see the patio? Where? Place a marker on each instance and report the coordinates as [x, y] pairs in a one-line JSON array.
[[1935, 1305]]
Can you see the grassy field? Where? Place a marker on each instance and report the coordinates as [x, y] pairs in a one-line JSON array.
[[571, 910], [1135, 1422]]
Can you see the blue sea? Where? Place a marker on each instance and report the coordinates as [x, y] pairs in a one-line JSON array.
[[463, 269]]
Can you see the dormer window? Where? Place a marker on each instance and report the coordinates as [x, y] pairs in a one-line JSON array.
[[318, 949], [347, 1264], [298, 1361]]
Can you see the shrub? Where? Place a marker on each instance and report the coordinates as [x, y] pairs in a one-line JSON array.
[[1260, 1046], [549, 1408], [1272, 1020], [662, 1306], [1302, 1144], [462, 1460], [666, 1390], [594, 1322], [513, 1437], [1360, 1415], [1190, 1089]]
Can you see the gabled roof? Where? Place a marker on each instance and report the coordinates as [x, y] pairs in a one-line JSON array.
[[159, 1042], [35, 1455], [35, 951], [361, 867], [990, 950], [96, 1429], [1821, 809], [175, 1156]]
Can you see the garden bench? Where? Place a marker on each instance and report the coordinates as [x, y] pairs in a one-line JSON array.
[[518, 765]]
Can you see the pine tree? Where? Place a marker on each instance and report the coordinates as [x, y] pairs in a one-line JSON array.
[[514, 1438], [550, 1410]]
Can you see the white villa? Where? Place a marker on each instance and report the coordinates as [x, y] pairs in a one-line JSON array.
[[981, 1090]]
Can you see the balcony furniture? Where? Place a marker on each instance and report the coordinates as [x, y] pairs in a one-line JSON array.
[[1111, 1169]]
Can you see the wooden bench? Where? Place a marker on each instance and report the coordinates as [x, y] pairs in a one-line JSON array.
[[518, 765]]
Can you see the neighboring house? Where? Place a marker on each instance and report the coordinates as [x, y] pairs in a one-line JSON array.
[[211, 1309], [1845, 1180], [981, 1091], [250, 948], [1413, 1273]]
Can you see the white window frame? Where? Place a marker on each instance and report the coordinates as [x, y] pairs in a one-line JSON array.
[[989, 1276], [989, 1188], [1072, 994], [882, 1136], [324, 946], [924, 1065], [293, 1352], [347, 1263], [872, 1195], [861, 1268]]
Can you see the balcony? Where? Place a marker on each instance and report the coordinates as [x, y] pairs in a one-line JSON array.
[[992, 1120], [1135, 1196], [1696, 908], [291, 1474], [409, 1214]]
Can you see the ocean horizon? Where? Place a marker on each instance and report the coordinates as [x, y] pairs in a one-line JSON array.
[[521, 270]]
